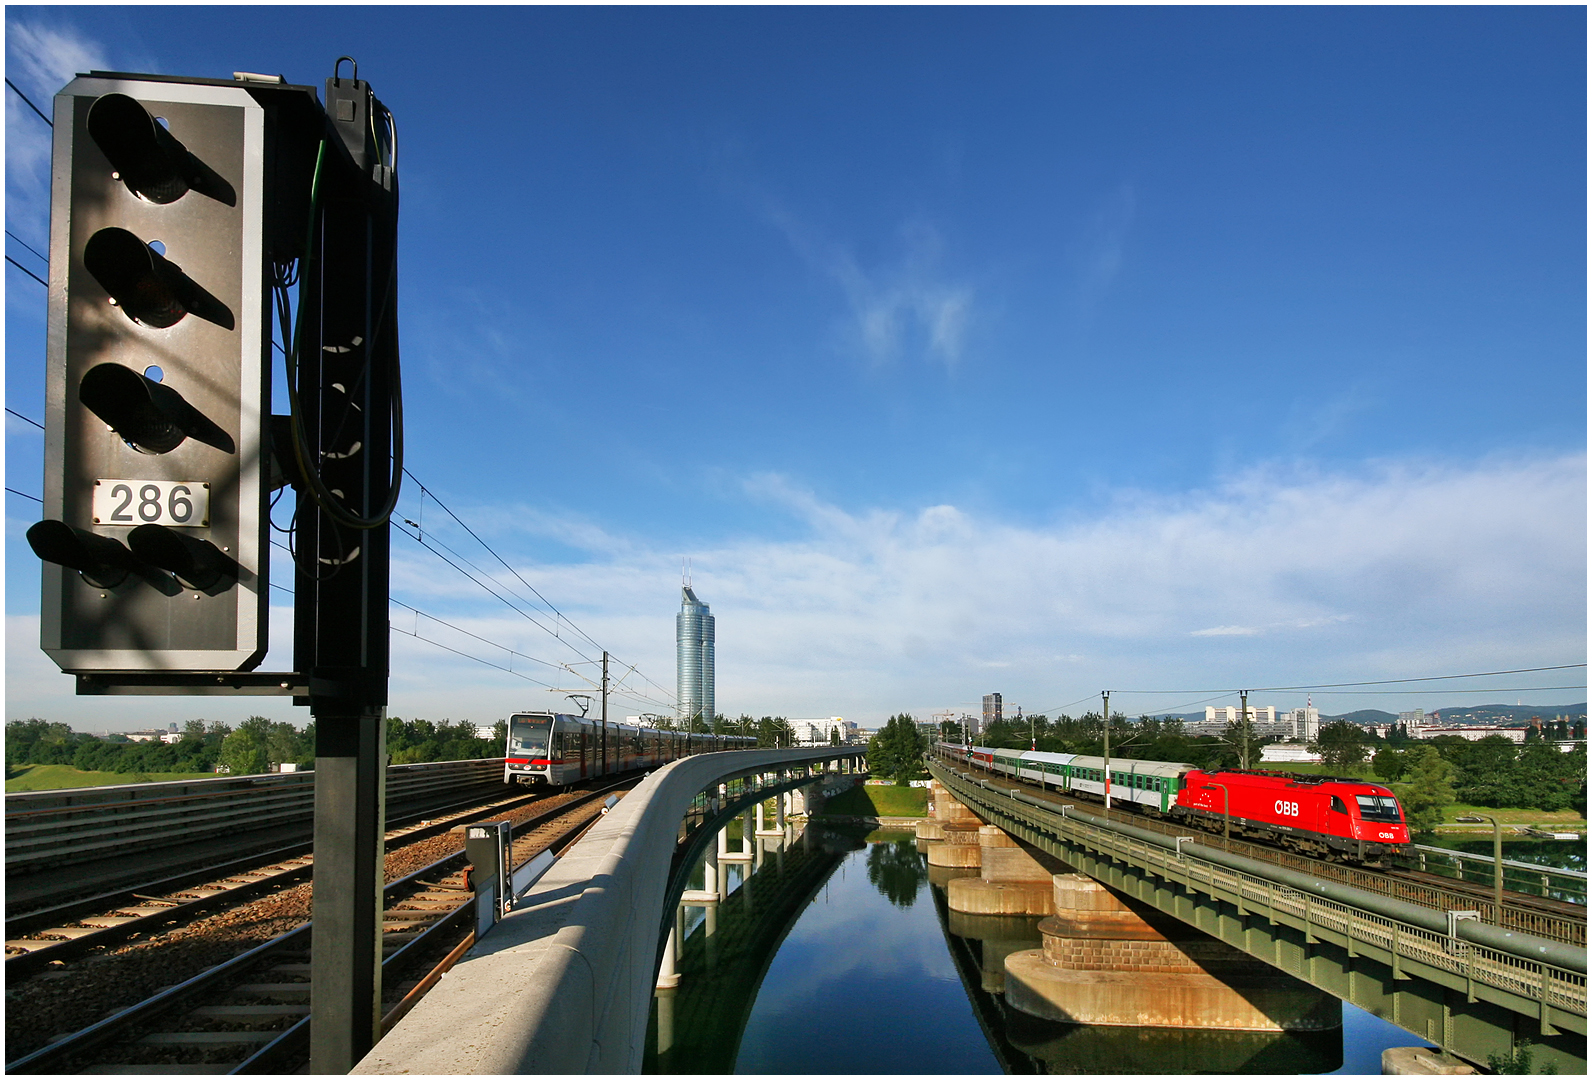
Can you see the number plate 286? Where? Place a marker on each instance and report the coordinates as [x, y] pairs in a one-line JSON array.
[[152, 502]]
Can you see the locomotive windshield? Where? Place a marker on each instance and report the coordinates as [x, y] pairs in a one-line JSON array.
[[1378, 807], [528, 735]]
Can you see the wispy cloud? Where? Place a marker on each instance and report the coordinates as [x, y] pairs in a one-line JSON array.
[[899, 307], [1278, 575], [1104, 243], [40, 59]]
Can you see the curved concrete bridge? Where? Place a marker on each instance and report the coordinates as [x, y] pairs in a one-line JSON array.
[[564, 982]]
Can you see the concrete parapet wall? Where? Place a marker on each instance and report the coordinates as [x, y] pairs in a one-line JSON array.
[[564, 983]]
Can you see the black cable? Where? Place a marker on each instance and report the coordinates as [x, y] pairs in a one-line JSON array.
[[25, 495], [28, 419], [32, 106], [559, 614], [1365, 682], [29, 246], [28, 272]]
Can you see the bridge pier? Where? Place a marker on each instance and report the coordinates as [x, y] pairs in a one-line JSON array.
[[1108, 962], [1011, 881]]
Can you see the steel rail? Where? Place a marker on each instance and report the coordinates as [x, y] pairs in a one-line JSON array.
[[47, 952], [48, 1058]]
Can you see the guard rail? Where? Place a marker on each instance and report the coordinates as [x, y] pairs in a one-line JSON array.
[[75, 825]]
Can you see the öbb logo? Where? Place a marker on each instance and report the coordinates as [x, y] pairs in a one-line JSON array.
[[1286, 809]]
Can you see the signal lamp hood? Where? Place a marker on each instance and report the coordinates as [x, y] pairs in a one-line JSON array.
[[197, 563], [152, 417], [147, 158], [103, 561], [148, 287]]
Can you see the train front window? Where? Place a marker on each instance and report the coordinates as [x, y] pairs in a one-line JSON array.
[[1378, 807], [528, 735]]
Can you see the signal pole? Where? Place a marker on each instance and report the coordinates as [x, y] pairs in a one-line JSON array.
[[605, 710], [1243, 728], [1105, 711]]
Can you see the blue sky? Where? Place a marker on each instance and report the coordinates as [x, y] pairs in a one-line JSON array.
[[1031, 350]]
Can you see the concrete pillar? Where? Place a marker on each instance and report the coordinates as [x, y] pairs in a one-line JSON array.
[[710, 875], [748, 831], [954, 853], [759, 817], [665, 997], [1111, 962], [722, 841], [668, 978]]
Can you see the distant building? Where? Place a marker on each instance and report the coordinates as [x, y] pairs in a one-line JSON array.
[[1273, 753], [693, 653], [992, 711], [819, 732], [1228, 714], [1474, 733], [1303, 723]]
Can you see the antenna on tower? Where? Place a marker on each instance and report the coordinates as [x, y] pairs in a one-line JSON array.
[[685, 572]]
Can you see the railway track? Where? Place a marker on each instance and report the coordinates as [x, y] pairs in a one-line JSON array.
[[37, 939], [1556, 920], [249, 1013]]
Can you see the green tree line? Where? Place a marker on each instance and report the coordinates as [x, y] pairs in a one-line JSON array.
[[255, 746]]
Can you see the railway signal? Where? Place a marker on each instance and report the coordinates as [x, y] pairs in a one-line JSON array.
[[154, 538]]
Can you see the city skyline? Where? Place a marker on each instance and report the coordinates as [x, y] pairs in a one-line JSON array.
[[1051, 348]]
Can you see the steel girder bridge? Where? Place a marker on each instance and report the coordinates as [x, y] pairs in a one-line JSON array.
[[1471, 988]]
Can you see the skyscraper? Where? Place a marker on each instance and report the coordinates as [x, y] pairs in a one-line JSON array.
[[693, 650]]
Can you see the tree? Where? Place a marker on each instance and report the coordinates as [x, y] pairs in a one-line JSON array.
[[243, 753], [897, 750], [1429, 793], [1388, 764], [1341, 744]]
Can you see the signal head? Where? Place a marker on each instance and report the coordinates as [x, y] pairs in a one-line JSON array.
[[150, 417]]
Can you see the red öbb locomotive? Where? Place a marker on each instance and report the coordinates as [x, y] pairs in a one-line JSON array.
[[1321, 816]]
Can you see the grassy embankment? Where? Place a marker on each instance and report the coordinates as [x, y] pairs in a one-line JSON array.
[[48, 777], [1506, 815], [880, 800]]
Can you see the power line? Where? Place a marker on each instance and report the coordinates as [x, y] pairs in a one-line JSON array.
[[32, 106], [28, 419], [29, 246], [427, 491], [28, 272], [1366, 682], [25, 495]]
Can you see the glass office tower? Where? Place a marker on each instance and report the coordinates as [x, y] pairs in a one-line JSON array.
[[693, 646]]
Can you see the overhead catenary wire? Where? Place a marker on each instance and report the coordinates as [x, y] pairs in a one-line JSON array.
[[29, 101], [28, 272], [25, 419], [42, 257]]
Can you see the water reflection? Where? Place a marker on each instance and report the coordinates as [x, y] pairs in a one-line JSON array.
[[821, 959], [897, 870]]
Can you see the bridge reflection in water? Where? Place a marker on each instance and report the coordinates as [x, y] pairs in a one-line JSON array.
[[979, 944], [727, 948]]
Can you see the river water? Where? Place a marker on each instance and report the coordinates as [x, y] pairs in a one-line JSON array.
[[842, 960]]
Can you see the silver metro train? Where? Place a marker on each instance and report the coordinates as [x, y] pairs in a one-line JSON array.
[[557, 749]]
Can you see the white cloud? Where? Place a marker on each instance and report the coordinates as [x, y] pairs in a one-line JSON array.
[[902, 306], [40, 60], [1274, 578]]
